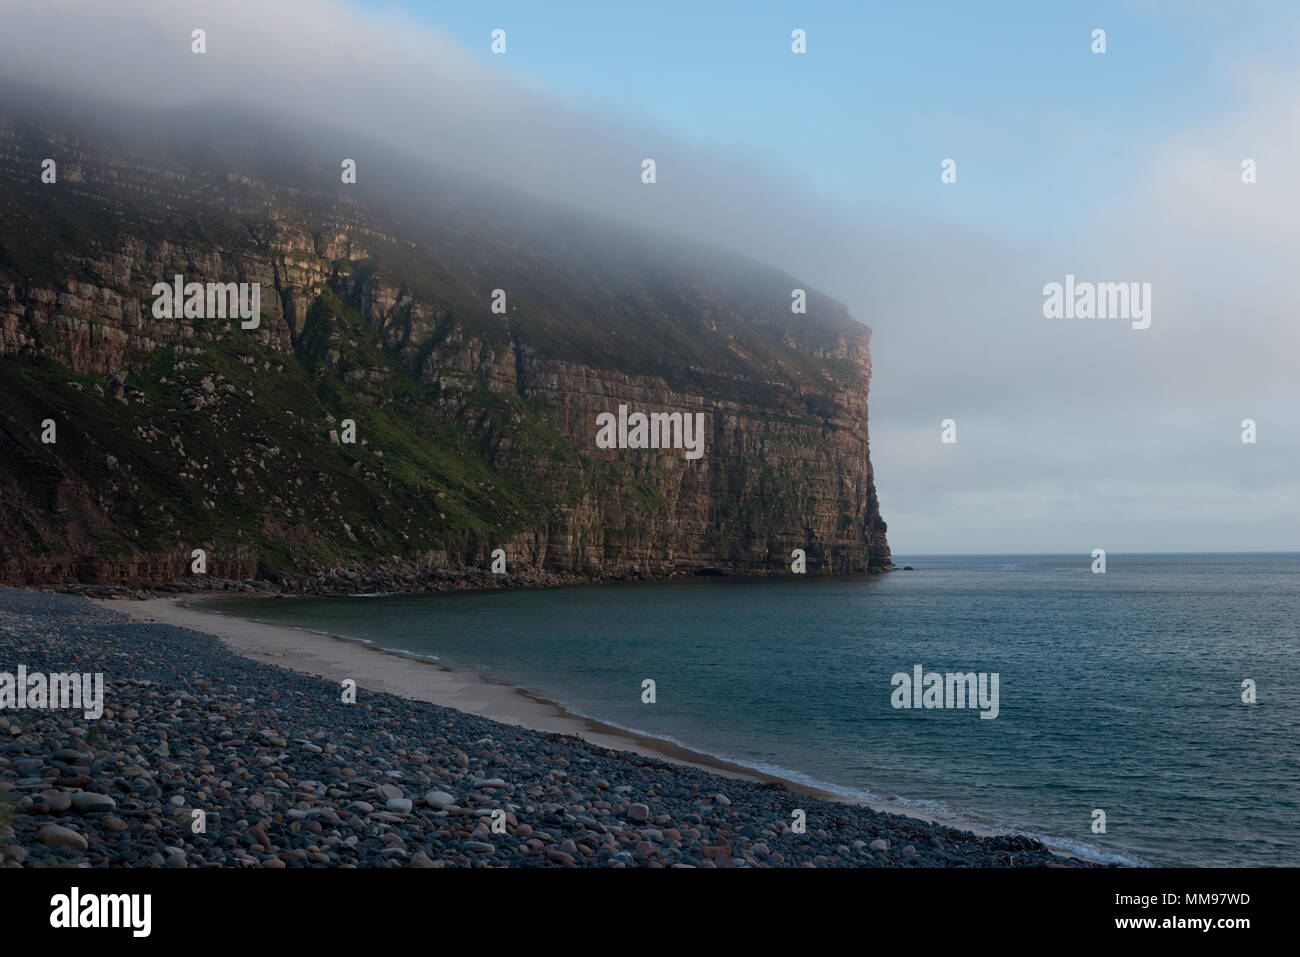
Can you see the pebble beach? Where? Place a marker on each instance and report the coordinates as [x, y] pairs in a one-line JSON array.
[[206, 757]]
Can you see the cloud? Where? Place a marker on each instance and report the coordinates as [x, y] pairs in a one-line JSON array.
[[1059, 421]]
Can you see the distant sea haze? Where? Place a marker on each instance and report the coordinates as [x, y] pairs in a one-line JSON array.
[[1119, 693]]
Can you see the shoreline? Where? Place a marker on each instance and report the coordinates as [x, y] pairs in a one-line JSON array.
[[337, 657], [237, 752]]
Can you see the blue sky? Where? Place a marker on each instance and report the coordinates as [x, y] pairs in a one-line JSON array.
[[1037, 123]]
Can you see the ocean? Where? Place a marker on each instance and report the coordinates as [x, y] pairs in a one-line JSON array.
[[1119, 693]]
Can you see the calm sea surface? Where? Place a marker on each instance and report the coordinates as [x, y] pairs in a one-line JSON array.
[[1120, 692]]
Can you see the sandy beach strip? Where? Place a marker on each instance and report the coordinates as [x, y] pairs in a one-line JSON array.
[[243, 723], [336, 658]]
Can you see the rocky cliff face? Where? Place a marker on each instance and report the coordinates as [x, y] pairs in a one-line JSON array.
[[475, 430]]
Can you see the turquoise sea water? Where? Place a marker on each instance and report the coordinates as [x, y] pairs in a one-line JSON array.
[[1120, 692]]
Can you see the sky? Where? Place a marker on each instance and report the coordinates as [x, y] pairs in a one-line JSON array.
[[1117, 167]]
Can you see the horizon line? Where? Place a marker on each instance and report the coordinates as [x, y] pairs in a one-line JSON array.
[[1271, 551]]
